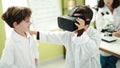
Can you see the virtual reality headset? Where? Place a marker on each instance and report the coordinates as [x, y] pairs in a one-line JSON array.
[[68, 22]]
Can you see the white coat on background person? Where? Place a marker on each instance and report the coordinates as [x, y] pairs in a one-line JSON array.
[[103, 20], [19, 52], [81, 52]]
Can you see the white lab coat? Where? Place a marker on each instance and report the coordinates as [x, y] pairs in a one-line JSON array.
[[19, 52], [81, 52], [102, 21]]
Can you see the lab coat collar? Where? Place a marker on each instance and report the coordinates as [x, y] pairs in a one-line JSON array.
[[18, 37], [107, 9]]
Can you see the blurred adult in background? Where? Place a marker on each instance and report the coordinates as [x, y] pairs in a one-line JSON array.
[[108, 13]]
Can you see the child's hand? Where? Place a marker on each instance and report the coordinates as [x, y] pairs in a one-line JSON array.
[[33, 32], [81, 24]]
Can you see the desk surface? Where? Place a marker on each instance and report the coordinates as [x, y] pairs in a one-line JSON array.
[[111, 48]]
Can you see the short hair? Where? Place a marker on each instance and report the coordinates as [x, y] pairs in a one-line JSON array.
[[115, 4], [16, 14], [85, 11]]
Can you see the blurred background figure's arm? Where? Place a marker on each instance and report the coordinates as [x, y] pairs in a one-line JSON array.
[[117, 34]]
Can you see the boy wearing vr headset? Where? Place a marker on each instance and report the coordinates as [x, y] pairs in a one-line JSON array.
[[82, 44]]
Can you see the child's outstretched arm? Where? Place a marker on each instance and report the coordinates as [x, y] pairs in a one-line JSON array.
[[33, 32], [52, 37]]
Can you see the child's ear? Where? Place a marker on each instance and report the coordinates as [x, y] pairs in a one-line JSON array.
[[15, 24]]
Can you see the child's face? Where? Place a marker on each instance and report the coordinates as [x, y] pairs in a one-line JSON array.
[[24, 25]]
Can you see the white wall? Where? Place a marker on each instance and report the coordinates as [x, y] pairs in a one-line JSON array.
[[92, 3]]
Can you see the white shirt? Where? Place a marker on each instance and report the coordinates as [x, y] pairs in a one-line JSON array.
[[19, 52], [81, 52]]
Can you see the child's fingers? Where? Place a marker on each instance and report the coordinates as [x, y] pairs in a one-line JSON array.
[[80, 21], [80, 24], [77, 24]]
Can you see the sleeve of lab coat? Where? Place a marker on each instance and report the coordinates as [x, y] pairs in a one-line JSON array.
[[94, 35], [7, 58], [36, 51], [54, 37], [117, 17], [89, 45], [99, 20], [92, 46], [34, 48]]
